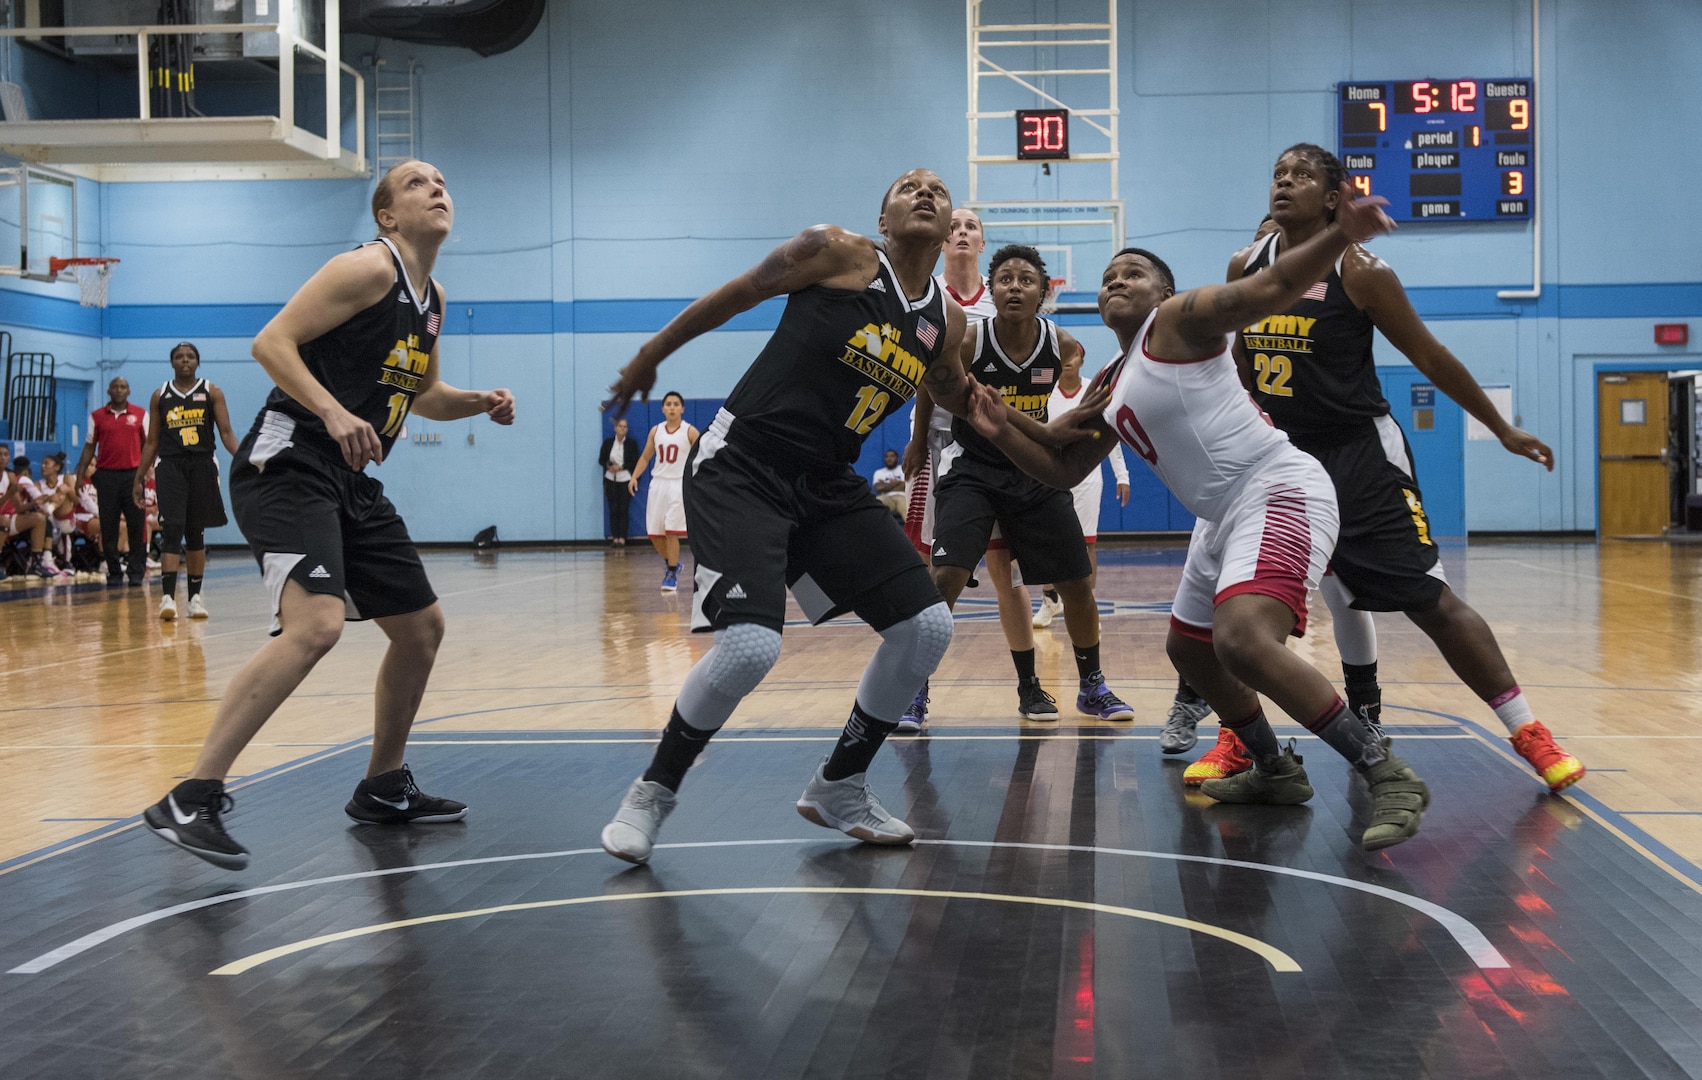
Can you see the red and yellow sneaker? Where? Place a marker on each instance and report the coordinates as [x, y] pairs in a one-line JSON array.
[[1226, 758], [1558, 769]]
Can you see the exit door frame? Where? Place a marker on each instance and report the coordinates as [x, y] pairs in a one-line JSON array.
[[1676, 362]]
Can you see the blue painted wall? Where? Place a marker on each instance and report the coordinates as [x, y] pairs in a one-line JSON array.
[[635, 153]]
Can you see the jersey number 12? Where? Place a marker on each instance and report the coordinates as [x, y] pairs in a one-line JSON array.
[[871, 404]]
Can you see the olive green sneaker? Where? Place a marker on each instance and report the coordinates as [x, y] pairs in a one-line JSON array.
[[1398, 800], [1284, 785]]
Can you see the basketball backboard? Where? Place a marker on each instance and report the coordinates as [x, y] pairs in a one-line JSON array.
[[38, 220]]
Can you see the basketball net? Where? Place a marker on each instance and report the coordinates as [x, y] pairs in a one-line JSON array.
[[92, 282], [93, 275]]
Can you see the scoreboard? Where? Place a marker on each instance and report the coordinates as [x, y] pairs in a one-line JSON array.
[[1441, 150]]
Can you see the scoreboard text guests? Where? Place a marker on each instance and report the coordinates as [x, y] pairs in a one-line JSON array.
[[1441, 150]]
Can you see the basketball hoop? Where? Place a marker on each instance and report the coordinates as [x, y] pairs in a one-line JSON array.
[[92, 277]]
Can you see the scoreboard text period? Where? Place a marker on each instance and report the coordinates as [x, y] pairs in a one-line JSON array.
[[1441, 150]]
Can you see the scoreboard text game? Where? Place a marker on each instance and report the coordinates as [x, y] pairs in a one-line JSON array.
[[1441, 150]]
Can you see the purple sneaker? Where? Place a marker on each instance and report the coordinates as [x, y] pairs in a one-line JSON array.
[[1096, 699]]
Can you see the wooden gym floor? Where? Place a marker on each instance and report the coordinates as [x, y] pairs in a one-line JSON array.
[[1070, 910]]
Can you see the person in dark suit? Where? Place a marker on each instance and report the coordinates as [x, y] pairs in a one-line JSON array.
[[616, 459]]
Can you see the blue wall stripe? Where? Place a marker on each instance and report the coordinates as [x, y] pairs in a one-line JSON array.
[[26, 309], [1668, 300]]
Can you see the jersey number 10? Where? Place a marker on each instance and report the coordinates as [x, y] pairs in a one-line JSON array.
[[398, 415]]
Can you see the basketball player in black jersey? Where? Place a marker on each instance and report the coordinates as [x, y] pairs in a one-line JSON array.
[[182, 416], [773, 503], [1312, 371], [1021, 355], [353, 353]]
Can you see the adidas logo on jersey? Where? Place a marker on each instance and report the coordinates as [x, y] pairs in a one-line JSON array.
[[402, 298], [320, 572], [878, 285], [990, 367], [737, 592], [940, 552]]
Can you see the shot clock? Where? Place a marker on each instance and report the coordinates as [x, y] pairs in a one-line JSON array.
[[1441, 150], [1043, 134]]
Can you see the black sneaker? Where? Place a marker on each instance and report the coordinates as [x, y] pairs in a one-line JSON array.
[[394, 799], [189, 817], [115, 581], [1033, 702]]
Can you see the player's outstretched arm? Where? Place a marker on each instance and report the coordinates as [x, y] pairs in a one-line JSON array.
[[150, 449], [437, 400], [643, 461], [342, 288], [820, 255], [1375, 289], [221, 419], [1060, 466], [1194, 323]]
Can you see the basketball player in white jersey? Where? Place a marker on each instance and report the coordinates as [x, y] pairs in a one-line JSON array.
[[1267, 515], [1086, 495], [930, 434], [665, 512]]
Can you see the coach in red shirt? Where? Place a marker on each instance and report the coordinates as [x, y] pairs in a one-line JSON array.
[[116, 431]]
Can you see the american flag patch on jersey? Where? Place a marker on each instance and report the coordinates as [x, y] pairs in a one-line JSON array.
[[927, 332], [1042, 376], [434, 321], [1316, 292]]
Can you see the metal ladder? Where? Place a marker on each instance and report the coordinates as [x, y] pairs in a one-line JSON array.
[[393, 99]]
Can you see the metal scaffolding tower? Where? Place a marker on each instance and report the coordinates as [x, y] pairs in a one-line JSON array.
[[1067, 205]]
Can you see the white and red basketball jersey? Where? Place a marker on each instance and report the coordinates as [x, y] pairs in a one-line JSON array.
[[1059, 404], [1192, 421], [671, 450]]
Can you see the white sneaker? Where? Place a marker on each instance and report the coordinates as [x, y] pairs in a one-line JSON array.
[[151, 563], [632, 833], [168, 609], [1049, 609], [849, 806], [197, 609]]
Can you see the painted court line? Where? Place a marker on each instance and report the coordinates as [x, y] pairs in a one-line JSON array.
[[1274, 956], [1469, 937]]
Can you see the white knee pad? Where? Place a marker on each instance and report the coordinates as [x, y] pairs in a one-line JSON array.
[[1355, 631], [743, 654], [929, 633]]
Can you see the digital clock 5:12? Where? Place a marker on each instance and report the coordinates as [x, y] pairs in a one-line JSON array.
[[1441, 149], [1043, 134]]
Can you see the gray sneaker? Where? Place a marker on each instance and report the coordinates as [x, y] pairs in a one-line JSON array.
[[1179, 736], [849, 806], [1284, 785], [632, 833]]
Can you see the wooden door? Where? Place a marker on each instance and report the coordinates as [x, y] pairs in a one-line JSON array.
[[1631, 440]]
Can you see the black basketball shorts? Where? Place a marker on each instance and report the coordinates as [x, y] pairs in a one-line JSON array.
[[1384, 555], [1037, 523], [757, 531], [330, 530], [188, 490]]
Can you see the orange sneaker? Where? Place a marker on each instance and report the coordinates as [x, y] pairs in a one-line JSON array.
[[1226, 758], [1558, 769]]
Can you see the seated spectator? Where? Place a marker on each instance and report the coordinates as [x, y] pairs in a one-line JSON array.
[[889, 485], [19, 516]]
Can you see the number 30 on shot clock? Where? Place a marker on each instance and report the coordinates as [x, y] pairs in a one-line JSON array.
[[1043, 134]]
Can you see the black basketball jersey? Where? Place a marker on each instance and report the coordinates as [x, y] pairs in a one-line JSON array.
[[372, 364], [188, 417], [839, 362], [1026, 384], [1313, 373]]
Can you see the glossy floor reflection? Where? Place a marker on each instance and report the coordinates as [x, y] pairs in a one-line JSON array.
[[1070, 911]]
